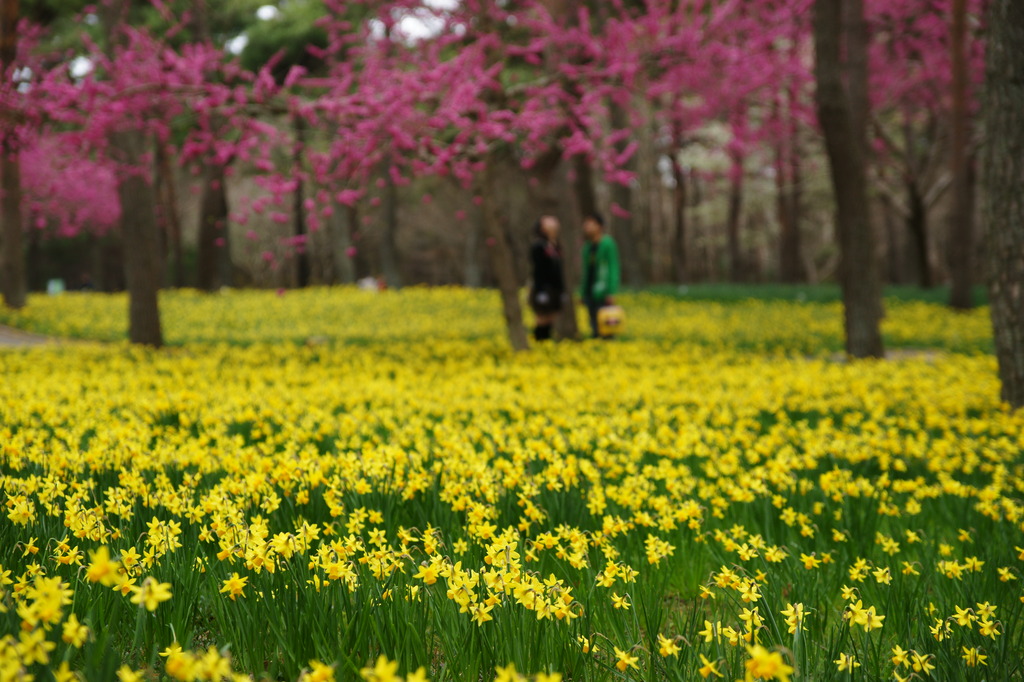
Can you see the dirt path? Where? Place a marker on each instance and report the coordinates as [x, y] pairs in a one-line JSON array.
[[15, 338]]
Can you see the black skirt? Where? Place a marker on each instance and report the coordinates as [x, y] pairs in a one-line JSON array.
[[548, 286], [545, 301]]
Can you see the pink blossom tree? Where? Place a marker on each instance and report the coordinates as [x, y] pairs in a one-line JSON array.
[[553, 87], [119, 115], [911, 86]]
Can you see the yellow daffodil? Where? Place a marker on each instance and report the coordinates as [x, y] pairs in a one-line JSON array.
[[234, 586], [624, 659], [846, 663], [151, 593], [766, 665]]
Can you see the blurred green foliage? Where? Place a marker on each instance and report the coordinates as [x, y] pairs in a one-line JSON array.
[[290, 34]]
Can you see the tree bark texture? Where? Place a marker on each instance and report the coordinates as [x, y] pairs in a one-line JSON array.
[[621, 222], [108, 262], [895, 273], [737, 269], [387, 244], [860, 273], [13, 275], [586, 203], [788, 178], [343, 223], [202, 19], [302, 245], [167, 195], [791, 261], [787, 257], [918, 261], [572, 258], [12, 250], [702, 258], [473, 276], [502, 261], [213, 259], [960, 247], [140, 231], [854, 34], [791, 264], [553, 182], [1003, 193], [583, 185], [678, 241], [143, 267]]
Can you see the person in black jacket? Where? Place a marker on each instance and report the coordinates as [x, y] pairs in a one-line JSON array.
[[547, 287]]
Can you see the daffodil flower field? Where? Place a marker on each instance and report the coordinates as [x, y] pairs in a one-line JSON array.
[[333, 484]]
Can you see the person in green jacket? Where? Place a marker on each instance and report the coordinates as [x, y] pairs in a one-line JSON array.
[[600, 268]]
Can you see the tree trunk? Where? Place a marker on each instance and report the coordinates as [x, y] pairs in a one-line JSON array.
[[302, 245], [854, 31], [621, 220], [583, 185], [860, 275], [202, 20], [12, 251], [960, 247], [652, 235], [792, 259], [472, 273], [737, 269], [214, 266], [140, 233], [788, 256], [788, 201], [388, 245], [918, 262], [168, 197], [40, 264], [108, 262], [702, 260], [213, 260], [586, 203], [679, 251], [502, 260], [566, 326], [895, 272], [13, 274], [342, 225], [1003, 191]]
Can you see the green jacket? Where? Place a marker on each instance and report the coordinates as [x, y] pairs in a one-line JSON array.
[[606, 270]]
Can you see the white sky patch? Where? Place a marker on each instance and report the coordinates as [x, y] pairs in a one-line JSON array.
[[418, 24], [376, 29], [237, 44], [665, 171], [80, 67], [23, 77], [267, 13]]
